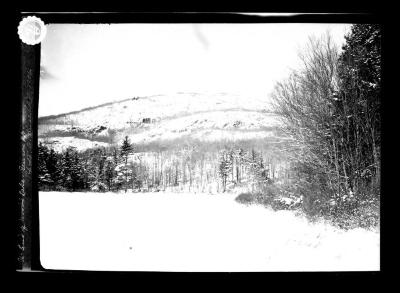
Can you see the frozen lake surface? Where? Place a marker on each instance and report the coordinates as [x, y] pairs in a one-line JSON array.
[[191, 232]]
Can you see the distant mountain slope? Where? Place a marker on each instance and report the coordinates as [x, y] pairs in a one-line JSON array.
[[162, 117]]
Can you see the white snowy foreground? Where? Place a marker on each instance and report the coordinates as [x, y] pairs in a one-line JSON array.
[[191, 232]]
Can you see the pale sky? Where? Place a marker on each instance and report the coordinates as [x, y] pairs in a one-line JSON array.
[[90, 64]]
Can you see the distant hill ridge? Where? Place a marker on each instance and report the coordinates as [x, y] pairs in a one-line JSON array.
[[43, 119], [208, 117]]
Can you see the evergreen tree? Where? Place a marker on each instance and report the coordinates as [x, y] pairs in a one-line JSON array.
[[117, 180], [77, 171], [125, 151], [91, 169], [109, 173], [96, 170], [66, 169], [224, 167], [44, 178], [52, 165], [358, 104], [72, 170]]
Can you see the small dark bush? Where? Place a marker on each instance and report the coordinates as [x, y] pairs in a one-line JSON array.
[[245, 198]]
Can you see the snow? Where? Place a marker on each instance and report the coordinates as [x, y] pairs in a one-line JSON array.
[[212, 126], [212, 117], [191, 232], [62, 143], [160, 106]]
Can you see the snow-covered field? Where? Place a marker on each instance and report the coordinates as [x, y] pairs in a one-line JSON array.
[[191, 232]]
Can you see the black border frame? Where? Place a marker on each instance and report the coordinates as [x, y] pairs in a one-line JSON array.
[[28, 258]]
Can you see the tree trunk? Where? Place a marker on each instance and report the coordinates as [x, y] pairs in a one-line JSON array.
[[376, 159]]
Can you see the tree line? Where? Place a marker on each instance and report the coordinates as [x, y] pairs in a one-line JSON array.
[[187, 168]]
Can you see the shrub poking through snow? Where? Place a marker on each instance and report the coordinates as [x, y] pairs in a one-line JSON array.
[[245, 198], [345, 212]]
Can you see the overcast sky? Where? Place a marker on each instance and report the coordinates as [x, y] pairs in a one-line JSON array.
[[89, 64]]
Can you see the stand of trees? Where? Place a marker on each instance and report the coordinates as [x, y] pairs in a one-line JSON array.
[[240, 166], [331, 110], [187, 168]]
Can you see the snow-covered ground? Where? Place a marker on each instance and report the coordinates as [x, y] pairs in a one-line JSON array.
[[211, 126], [191, 232], [157, 107], [60, 144], [211, 117]]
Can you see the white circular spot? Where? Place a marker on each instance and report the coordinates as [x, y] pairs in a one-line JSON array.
[[32, 30]]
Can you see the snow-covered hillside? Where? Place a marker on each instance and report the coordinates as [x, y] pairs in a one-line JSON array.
[[61, 143], [212, 126], [191, 232], [157, 118]]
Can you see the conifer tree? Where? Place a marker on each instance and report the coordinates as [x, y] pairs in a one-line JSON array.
[[66, 167], [125, 151], [72, 170], [357, 106], [53, 168], [109, 173], [44, 178], [224, 167]]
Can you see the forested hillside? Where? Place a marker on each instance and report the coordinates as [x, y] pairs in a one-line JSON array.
[[184, 142]]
